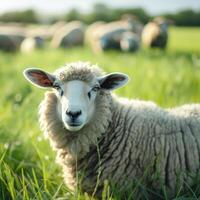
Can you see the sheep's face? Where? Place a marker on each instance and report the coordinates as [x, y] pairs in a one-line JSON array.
[[76, 98], [76, 103]]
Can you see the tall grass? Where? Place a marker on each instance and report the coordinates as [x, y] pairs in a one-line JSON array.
[[27, 164]]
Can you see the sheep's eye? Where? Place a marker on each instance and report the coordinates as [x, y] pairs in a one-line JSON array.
[[96, 88], [58, 88]]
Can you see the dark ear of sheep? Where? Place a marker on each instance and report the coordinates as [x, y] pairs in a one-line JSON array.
[[113, 81], [39, 77]]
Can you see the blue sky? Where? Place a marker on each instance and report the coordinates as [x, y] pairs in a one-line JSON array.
[[60, 6]]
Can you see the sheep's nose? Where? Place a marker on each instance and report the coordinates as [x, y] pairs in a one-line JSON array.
[[73, 115]]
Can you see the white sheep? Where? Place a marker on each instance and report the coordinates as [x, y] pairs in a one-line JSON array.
[[72, 34], [129, 42], [11, 38], [99, 136], [31, 43], [155, 33], [91, 32], [55, 27], [103, 36]]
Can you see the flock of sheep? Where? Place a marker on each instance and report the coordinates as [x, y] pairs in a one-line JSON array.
[[125, 35]]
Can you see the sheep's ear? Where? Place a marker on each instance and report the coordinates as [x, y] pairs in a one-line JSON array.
[[113, 81], [39, 77]]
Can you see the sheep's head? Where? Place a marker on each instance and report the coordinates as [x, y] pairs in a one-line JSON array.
[[77, 87]]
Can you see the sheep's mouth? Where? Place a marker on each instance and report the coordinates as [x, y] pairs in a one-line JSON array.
[[74, 124]]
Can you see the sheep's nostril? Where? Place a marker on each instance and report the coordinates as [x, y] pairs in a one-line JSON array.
[[68, 113], [73, 115]]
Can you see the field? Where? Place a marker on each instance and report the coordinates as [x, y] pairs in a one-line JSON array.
[[27, 167]]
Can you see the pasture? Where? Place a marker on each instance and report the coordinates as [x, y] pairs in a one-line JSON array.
[[27, 163]]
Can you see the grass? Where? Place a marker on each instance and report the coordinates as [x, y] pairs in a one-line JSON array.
[[27, 164]]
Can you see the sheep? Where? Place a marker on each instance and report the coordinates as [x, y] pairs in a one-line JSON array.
[[14, 37], [31, 43], [11, 38], [10, 42], [72, 34], [100, 137], [55, 27], [134, 22], [108, 36], [129, 42], [90, 32], [155, 33]]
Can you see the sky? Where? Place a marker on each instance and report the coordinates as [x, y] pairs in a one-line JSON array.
[[61, 6]]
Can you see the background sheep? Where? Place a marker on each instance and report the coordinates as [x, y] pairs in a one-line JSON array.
[[11, 37], [72, 34], [108, 36], [90, 32], [31, 43], [106, 137], [155, 33], [129, 42], [55, 27], [136, 25], [10, 42]]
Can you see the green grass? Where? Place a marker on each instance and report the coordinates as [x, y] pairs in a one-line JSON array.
[[184, 39], [27, 164]]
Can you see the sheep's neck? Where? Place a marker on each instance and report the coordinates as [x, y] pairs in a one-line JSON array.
[[78, 163]]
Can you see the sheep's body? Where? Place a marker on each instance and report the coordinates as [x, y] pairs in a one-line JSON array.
[[11, 37], [91, 32], [130, 42], [155, 34], [126, 141], [31, 43], [14, 37], [72, 34], [55, 27], [103, 36], [10, 42]]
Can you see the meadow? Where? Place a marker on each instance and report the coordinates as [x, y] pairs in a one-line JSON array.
[[27, 163]]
